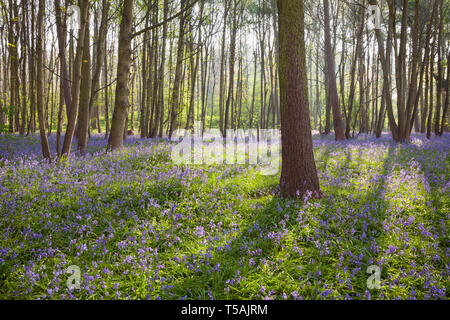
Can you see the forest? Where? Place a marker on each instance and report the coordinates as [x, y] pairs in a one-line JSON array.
[[224, 149]]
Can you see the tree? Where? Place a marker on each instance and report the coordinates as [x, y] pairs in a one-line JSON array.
[[14, 62], [101, 39], [85, 88], [334, 99], [232, 64], [177, 81], [61, 33], [84, 7], [39, 78], [299, 173], [123, 71]]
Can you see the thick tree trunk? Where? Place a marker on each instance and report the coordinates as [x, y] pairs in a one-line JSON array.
[[299, 173]]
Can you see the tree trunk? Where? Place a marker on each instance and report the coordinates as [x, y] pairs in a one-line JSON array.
[[61, 33], [85, 90], [161, 72], [39, 82], [444, 122], [299, 173], [176, 87], [123, 71], [24, 67], [101, 38], [385, 64], [106, 95], [337, 118], [84, 7], [14, 64], [222, 71]]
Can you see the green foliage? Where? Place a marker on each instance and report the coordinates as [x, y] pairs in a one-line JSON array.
[[140, 227]]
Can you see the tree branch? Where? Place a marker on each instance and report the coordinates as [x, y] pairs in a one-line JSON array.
[[165, 21]]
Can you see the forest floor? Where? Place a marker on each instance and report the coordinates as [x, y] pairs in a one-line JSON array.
[[138, 226]]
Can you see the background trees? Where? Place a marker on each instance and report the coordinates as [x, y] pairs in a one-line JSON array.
[[217, 62]]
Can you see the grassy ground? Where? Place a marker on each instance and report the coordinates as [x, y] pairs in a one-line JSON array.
[[140, 227]]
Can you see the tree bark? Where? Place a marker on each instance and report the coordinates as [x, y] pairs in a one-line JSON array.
[[85, 90], [39, 82], [61, 33], [99, 58], [84, 7], [337, 118], [177, 81], [299, 173], [115, 141]]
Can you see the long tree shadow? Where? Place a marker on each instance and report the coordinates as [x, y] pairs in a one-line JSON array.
[[432, 185], [233, 257], [238, 260]]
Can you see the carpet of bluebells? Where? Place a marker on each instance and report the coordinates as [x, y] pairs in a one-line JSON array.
[[140, 227]]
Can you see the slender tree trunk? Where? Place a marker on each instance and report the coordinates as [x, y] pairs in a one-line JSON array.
[[231, 64], [24, 68], [430, 111], [161, 72], [424, 112], [154, 72], [444, 121], [385, 64], [101, 38], [106, 95], [362, 100], [337, 118], [72, 120], [252, 108], [14, 64], [439, 85], [39, 82], [60, 118], [85, 90], [178, 69], [222, 71], [123, 71], [32, 72], [61, 33]]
